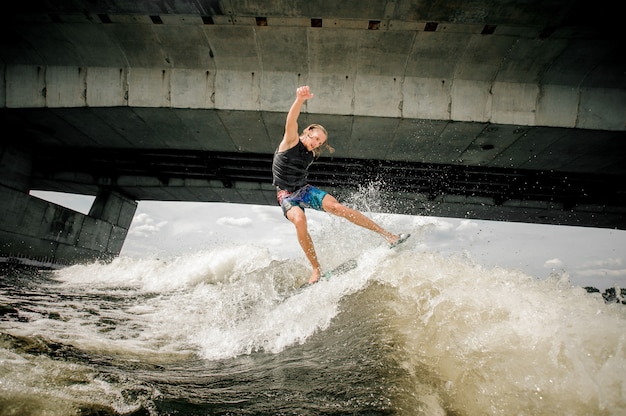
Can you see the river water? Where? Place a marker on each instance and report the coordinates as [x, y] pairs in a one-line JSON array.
[[226, 332]]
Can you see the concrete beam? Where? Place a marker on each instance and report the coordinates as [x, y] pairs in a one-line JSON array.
[[454, 72]]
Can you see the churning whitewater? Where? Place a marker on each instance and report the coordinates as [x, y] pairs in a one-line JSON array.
[[225, 331]]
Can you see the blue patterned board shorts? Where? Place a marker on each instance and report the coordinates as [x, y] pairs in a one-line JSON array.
[[306, 197]]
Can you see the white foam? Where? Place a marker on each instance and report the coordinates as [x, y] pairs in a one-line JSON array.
[[502, 340], [494, 341]]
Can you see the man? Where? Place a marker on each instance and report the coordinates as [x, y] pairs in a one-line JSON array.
[[292, 159]]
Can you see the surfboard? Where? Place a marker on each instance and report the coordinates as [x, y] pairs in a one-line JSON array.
[[348, 265], [344, 267]]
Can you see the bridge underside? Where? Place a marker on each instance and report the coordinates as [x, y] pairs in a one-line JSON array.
[[468, 170]]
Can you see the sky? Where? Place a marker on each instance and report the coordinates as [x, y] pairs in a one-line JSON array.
[[589, 256]]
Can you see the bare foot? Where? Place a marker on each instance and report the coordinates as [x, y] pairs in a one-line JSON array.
[[398, 239], [392, 239], [315, 276]]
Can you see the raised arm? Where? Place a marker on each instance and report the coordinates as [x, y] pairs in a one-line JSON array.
[[291, 136]]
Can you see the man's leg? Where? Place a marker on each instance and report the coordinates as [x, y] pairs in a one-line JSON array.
[[298, 218], [332, 206]]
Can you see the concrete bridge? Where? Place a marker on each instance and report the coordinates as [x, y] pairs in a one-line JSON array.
[[491, 109]]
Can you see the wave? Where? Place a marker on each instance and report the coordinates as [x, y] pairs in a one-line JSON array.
[[485, 338]]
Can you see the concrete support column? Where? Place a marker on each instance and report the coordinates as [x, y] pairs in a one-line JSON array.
[[37, 232], [116, 211]]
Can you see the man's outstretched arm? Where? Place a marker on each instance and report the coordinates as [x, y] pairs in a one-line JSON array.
[[290, 138]]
